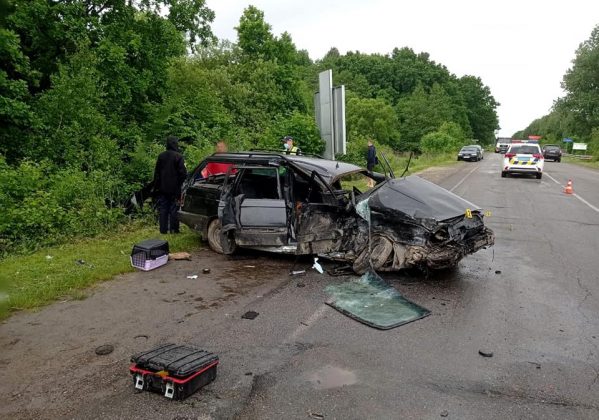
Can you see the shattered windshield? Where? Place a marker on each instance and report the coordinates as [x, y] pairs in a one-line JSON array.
[[370, 300], [359, 180]]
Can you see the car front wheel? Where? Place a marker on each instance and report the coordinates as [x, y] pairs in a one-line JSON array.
[[503, 174], [539, 176]]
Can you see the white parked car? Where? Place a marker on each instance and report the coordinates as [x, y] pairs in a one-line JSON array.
[[523, 158]]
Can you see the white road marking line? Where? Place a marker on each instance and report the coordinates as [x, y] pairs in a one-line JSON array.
[[575, 195], [305, 325], [463, 179]]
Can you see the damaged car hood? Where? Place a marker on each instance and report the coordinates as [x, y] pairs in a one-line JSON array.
[[418, 199]]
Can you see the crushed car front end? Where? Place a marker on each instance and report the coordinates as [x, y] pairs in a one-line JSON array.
[[413, 223]]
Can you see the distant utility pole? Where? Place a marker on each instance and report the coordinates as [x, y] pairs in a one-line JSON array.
[[329, 104]]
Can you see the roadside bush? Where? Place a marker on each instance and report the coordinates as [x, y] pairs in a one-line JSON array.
[[449, 137], [300, 126], [42, 208], [594, 144]]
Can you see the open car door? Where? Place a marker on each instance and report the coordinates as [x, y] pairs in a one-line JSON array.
[[253, 210]]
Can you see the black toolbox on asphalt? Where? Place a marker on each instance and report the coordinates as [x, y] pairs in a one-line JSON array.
[[173, 370]]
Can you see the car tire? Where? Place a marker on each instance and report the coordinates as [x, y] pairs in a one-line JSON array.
[[558, 160], [539, 176], [503, 174], [213, 236]]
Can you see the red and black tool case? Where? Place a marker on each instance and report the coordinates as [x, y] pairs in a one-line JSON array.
[[173, 370]]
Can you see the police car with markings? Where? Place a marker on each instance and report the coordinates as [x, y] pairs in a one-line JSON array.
[[523, 157]]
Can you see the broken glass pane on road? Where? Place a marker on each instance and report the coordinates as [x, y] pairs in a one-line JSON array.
[[371, 301]]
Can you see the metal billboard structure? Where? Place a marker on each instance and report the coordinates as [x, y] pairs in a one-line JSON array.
[[329, 104]]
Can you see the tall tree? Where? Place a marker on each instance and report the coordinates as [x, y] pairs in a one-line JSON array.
[[581, 83], [481, 108]]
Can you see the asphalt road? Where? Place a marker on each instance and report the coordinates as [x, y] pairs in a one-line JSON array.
[[531, 300]]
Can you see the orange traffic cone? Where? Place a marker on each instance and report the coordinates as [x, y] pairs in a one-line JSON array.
[[569, 189]]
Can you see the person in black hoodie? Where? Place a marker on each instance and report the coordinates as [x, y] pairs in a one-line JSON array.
[[371, 161], [169, 175]]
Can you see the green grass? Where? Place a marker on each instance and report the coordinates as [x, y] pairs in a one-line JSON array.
[[423, 162], [54, 273], [588, 163]]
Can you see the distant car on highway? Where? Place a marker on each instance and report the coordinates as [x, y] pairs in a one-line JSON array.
[[472, 153], [503, 143], [523, 158], [480, 149], [553, 152]]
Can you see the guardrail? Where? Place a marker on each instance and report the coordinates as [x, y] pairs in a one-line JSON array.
[[581, 157]]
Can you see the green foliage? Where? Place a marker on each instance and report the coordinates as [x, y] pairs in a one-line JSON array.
[[374, 118], [299, 126], [580, 83], [41, 207], [422, 113], [448, 138], [577, 114], [480, 108], [254, 35], [90, 89]]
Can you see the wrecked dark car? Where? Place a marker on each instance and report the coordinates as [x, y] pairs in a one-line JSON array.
[[307, 205]]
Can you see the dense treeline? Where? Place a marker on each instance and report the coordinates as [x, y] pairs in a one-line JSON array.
[[89, 89], [576, 115]]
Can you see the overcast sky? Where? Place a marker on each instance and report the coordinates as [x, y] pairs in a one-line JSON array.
[[520, 49]]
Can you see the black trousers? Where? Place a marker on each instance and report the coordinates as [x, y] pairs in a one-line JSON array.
[[167, 209]]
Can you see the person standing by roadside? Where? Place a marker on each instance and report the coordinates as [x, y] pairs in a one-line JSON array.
[[169, 175], [371, 161], [290, 149], [216, 168]]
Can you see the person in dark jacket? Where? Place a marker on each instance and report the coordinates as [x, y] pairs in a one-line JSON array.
[[169, 175], [371, 161]]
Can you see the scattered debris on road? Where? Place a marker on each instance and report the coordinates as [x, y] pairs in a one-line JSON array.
[[206, 271], [317, 266], [444, 413], [297, 272], [192, 277], [104, 349], [497, 271], [179, 256], [485, 353], [316, 415], [250, 315]]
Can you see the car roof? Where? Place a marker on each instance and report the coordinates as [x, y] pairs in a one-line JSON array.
[[327, 169]]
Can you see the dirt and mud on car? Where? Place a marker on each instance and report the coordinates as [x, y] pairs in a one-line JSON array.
[[307, 205]]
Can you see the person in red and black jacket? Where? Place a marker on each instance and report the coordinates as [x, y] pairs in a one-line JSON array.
[[169, 175]]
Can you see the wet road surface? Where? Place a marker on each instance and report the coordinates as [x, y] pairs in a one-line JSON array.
[[531, 300]]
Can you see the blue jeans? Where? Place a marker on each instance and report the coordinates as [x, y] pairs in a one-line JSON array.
[[168, 218]]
